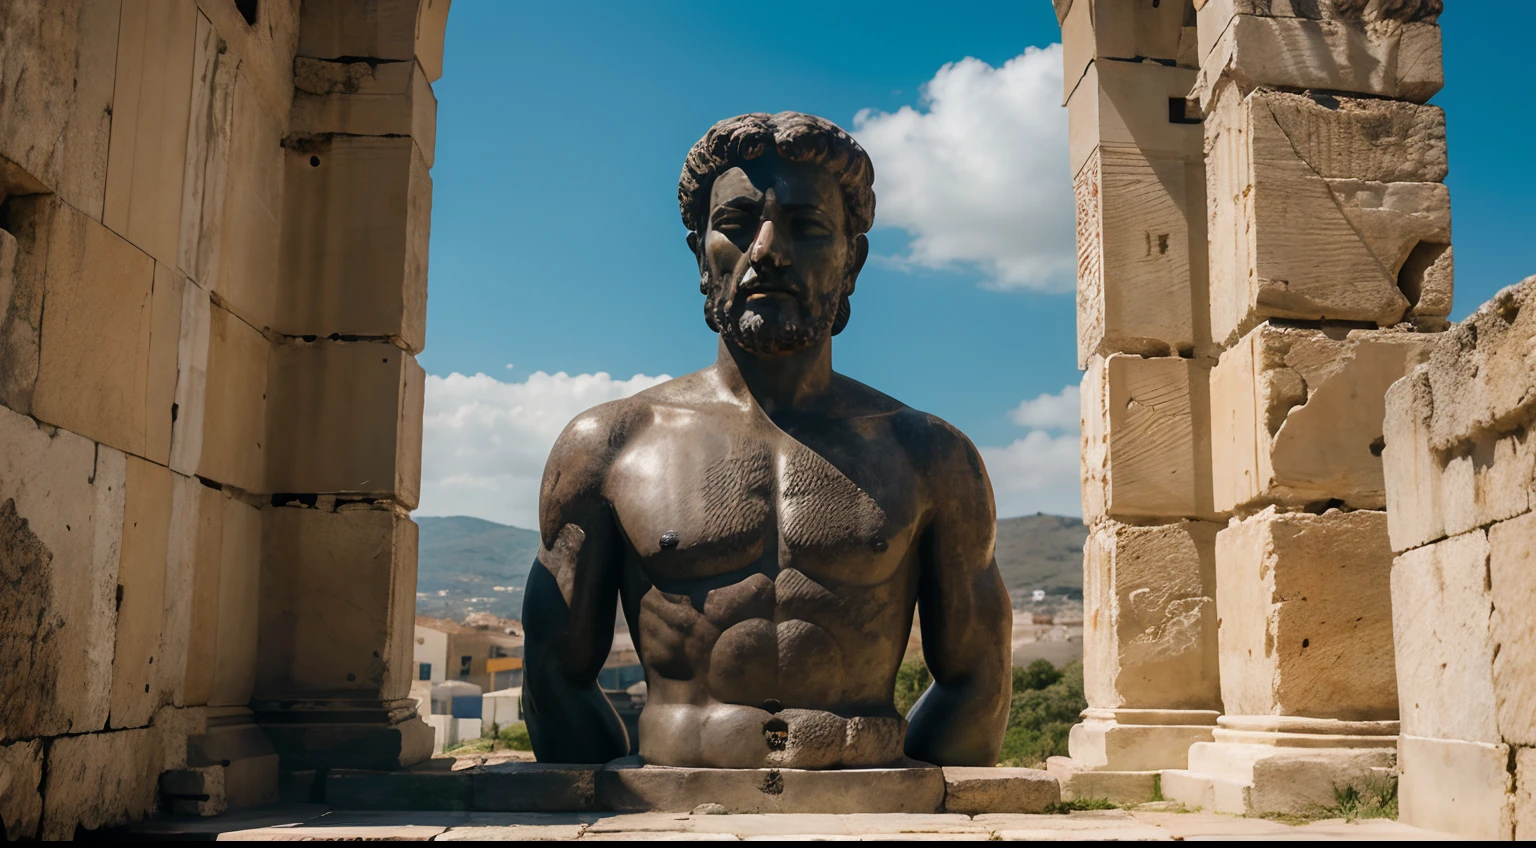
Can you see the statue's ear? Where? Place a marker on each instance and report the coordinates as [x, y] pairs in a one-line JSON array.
[[860, 253], [693, 245]]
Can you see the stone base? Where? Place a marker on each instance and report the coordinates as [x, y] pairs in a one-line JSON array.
[[1081, 783], [680, 790], [625, 786], [228, 766], [1138, 740], [1117, 754], [1456, 787], [346, 734], [1280, 764]]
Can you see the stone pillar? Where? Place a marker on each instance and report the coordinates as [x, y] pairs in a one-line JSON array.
[[344, 408], [1330, 264], [1461, 484], [1150, 667]]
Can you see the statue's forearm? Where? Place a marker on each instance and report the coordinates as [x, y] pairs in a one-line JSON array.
[[959, 725], [569, 718]]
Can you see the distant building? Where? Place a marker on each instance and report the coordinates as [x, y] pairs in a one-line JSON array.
[[485, 650]]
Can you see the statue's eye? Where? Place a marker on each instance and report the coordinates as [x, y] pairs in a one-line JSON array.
[[811, 228]]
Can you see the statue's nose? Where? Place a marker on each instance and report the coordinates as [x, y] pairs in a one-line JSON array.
[[765, 248]]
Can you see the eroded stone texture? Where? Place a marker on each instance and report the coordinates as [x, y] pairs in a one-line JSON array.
[[234, 431], [1097, 30], [1455, 786], [662, 789], [141, 592], [357, 215], [398, 30], [1150, 634], [1311, 214], [100, 779], [1512, 578], [243, 266], [51, 132], [998, 790], [1411, 471], [1441, 606], [1525, 792], [331, 386], [1296, 415], [1306, 615], [1140, 194], [207, 159], [1146, 438], [364, 99], [62, 501], [333, 616], [1383, 58], [1482, 371], [21, 778]]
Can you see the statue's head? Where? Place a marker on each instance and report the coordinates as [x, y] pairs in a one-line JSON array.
[[776, 208]]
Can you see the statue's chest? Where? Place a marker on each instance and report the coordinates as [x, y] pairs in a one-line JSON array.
[[709, 505]]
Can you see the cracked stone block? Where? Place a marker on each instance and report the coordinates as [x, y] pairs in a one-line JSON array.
[[1483, 371], [1296, 415], [151, 110], [241, 265], [392, 30], [364, 99], [21, 314], [1453, 786], [355, 233], [1306, 615], [1410, 470], [232, 447], [1488, 480], [1525, 791], [99, 780], [1441, 610], [58, 73], [61, 527], [1096, 30], [141, 592], [346, 418], [21, 778], [207, 158], [333, 620], [108, 337], [1396, 58], [1140, 196], [1512, 581], [976, 791], [1311, 219], [1146, 441], [1150, 637]]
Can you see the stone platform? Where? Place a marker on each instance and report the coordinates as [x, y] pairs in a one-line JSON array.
[[623, 787], [306, 823]]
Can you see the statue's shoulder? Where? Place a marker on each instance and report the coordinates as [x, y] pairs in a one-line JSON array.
[[919, 432]]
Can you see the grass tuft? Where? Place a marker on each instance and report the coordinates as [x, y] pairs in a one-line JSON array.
[[1080, 804]]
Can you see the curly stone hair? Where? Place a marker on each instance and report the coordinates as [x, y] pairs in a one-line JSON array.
[[796, 137]]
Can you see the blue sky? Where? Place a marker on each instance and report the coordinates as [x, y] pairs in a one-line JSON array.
[[556, 245]]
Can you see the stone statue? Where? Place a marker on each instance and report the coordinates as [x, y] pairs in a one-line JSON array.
[[767, 523]]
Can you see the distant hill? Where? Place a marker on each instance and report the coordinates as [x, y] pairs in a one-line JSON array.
[[462, 560], [1041, 552]]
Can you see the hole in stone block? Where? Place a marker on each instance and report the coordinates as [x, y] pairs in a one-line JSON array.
[[776, 734], [314, 161], [1416, 268], [1180, 113], [247, 9], [1378, 445]]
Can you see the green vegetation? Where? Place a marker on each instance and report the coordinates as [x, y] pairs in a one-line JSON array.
[[1079, 804], [513, 737], [1046, 703], [1371, 798]]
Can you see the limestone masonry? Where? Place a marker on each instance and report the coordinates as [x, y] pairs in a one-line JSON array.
[[1312, 501]]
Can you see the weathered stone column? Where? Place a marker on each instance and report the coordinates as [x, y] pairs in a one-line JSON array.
[[344, 410], [1461, 485], [1143, 337], [1329, 260]]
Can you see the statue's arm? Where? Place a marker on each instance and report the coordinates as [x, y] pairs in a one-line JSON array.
[[569, 605], [966, 616]]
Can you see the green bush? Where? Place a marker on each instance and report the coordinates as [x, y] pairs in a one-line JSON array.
[[1046, 703], [515, 736]]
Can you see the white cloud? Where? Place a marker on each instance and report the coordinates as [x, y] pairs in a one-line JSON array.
[[1061, 411], [980, 178], [1039, 472], [484, 441]]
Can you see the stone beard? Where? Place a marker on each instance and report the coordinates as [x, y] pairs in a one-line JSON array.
[[769, 525]]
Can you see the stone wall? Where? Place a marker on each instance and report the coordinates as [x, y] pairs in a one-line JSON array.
[[213, 230], [1263, 248], [1461, 487]]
